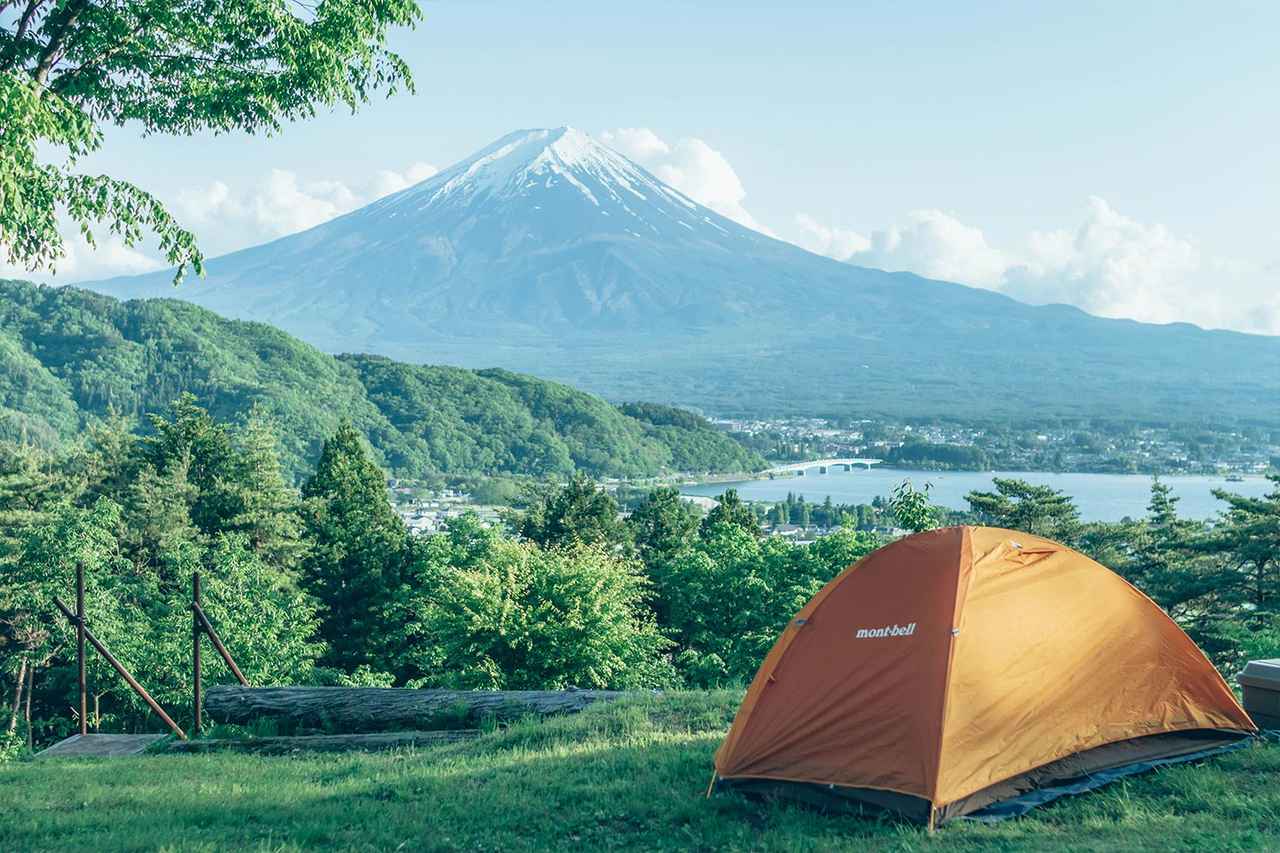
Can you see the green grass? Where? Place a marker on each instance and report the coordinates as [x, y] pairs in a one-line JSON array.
[[626, 776]]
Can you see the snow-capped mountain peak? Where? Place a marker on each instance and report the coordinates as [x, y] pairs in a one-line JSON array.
[[569, 182], [542, 224], [548, 252]]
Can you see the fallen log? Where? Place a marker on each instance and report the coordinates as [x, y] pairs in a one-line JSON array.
[[322, 743], [378, 709]]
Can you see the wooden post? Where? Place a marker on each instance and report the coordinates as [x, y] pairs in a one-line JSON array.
[[124, 673], [196, 710], [18, 684], [31, 685], [84, 704], [217, 644]]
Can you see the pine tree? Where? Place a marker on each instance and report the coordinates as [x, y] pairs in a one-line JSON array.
[[662, 525], [236, 479], [189, 436], [731, 511], [1162, 508], [105, 461], [29, 491], [577, 513], [266, 505], [1249, 535], [157, 513], [358, 548], [1166, 565], [1019, 505]]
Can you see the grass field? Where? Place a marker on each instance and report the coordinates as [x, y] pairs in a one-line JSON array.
[[627, 776]]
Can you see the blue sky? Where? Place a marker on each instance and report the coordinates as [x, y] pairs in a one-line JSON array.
[[1123, 156]]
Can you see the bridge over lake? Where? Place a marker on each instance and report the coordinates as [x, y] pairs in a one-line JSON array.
[[800, 468]]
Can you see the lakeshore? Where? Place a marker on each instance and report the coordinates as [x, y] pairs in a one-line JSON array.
[[1100, 497]]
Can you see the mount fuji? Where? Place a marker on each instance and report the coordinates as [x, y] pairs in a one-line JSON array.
[[550, 253]]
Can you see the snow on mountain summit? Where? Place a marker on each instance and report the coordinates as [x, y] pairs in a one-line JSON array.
[[570, 179], [547, 252], [519, 161], [544, 227]]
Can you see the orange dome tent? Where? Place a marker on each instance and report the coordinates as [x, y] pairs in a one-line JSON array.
[[974, 671]]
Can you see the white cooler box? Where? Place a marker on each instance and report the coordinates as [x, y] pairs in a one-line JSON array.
[[1260, 680]]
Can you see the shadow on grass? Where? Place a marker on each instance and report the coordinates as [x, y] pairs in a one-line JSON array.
[[642, 796], [616, 782]]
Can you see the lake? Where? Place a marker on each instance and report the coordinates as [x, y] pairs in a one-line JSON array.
[[1100, 497]]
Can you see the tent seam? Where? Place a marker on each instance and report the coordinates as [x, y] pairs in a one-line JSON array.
[[957, 610], [782, 647]]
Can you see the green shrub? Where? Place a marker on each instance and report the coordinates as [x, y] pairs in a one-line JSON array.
[[11, 746], [490, 612], [726, 597]]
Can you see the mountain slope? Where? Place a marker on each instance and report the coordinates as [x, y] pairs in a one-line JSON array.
[[68, 356], [548, 252]]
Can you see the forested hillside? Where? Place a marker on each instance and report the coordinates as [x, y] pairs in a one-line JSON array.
[[549, 252], [68, 357]]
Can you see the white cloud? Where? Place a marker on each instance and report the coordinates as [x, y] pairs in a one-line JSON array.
[[1116, 266], [227, 219], [80, 261], [691, 166], [639, 143], [1111, 265], [838, 243], [386, 182], [280, 205], [936, 245]]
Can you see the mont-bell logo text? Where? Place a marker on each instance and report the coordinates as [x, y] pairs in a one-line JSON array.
[[887, 631]]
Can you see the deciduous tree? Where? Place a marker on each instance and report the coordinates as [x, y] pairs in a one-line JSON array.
[[170, 66], [911, 507], [491, 612]]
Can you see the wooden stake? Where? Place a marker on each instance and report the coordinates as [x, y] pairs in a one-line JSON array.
[[123, 673], [212, 634], [84, 705], [196, 710], [17, 695], [31, 685]]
